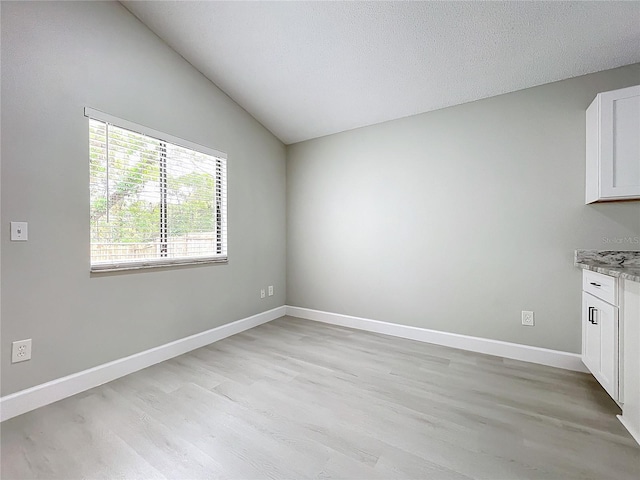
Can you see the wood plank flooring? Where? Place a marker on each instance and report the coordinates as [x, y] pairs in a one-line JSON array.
[[294, 399]]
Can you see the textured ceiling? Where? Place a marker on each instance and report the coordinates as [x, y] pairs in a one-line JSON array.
[[308, 69]]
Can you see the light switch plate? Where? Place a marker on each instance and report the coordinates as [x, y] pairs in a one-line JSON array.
[[19, 231]]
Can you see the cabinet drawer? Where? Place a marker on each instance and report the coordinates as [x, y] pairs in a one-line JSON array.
[[601, 286]]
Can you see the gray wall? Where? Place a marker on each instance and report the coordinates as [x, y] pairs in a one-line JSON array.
[[56, 59], [458, 219]]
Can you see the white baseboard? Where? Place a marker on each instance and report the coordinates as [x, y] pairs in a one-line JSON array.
[[526, 353], [26, 400], [46, 393], [634, 433]]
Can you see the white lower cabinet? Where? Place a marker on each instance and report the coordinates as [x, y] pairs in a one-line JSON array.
[[600, 346], [611, 341], [630, 356]]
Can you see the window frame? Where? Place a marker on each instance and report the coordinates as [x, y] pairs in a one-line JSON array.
[[220, 208]]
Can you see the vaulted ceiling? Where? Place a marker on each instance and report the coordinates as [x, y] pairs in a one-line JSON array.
[[308, 69]]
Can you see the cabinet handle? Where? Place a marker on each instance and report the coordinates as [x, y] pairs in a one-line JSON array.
[[592, 315], [595, 284]]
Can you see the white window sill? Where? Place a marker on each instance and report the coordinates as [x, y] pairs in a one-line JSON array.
[[157, 263]]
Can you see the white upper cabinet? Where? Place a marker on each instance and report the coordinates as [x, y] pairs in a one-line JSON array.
[[613, 146]]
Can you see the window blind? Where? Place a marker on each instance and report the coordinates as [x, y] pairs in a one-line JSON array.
[[153, 202]]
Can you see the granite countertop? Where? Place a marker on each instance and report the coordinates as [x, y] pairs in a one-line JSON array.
[[608, 262]]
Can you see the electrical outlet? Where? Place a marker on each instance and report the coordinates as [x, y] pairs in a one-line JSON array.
[[527, 318], [271, 290], [262, 294], [21, 351]]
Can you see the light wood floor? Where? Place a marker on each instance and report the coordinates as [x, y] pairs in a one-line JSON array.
[[294, 399]]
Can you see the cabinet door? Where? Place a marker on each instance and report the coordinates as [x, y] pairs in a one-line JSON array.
[[620, 143], [600, 341], [590, 335]]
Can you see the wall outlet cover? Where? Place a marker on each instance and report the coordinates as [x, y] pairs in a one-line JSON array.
[[527, 318], [21, 351]]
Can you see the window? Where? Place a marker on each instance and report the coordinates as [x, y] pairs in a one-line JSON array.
[[156, 200]]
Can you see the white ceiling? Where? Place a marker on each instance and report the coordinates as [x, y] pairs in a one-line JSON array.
[[308, 69]]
